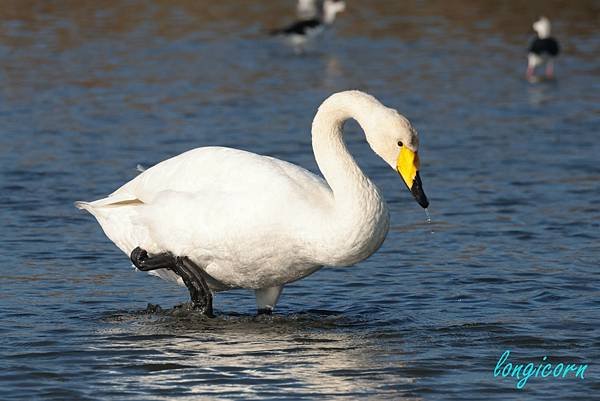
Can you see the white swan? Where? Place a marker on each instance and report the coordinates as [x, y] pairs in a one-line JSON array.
[[248, 221]]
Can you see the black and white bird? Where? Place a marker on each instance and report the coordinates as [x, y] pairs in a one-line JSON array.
[[542, 50], [304, 30]]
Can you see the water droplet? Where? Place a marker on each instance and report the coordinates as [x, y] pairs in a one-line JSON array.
[[428, 216]]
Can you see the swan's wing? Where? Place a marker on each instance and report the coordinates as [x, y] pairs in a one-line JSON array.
[[213, 201], [224, 170]]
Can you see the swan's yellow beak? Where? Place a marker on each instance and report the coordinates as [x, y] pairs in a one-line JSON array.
[[408, 167]]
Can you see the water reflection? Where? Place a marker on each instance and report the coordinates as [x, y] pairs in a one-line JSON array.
[[307, 353], [542, 92]]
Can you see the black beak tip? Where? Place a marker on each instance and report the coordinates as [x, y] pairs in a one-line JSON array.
[[418, 193], [421, 199]]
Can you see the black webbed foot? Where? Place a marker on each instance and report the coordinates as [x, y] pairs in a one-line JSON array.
[[140, 259], [192, 275]]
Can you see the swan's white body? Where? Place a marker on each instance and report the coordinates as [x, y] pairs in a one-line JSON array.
[[256, 222]]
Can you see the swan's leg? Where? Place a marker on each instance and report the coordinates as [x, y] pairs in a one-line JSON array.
[[189, 272], [266, 298], [140, 259], [193, 277]]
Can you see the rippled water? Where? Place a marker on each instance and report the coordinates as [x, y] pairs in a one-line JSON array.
[[509, 261]]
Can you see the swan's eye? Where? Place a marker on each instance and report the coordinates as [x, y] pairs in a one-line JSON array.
[[400, 143]]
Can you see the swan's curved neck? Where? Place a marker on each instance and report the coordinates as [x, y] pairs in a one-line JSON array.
[[360, 217], [339, 168]]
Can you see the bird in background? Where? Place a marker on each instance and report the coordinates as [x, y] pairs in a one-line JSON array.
[[542, 50], [301, 32]]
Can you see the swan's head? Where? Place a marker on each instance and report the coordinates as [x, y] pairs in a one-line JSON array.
[[542, 27], [396, 141]]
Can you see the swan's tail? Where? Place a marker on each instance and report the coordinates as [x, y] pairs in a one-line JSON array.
[[83, 206], [119, 217]]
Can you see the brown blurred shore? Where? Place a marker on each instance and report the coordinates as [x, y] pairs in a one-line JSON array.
[[375, 19]]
